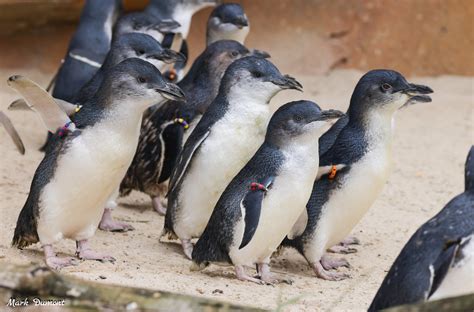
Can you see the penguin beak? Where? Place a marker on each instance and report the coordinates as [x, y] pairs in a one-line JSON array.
[[329, 114], [167, 56], [171, 91], [259, 53], [417, 93], [240, 21], [288, 82], [165, 25]]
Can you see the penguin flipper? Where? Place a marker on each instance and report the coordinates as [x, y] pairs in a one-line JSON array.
[[327, 140], [41, 101], [185, 159], [8, 125], [252, 205], [443, 263]]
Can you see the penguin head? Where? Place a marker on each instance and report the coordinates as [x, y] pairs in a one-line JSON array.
[[469, 171], [300, 120], [218, 56], [385, 91], [227, 21], [140, 22], [255, 78], [144, 47], [139, 82]]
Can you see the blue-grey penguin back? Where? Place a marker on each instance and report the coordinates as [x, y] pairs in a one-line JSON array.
[[91, 42]]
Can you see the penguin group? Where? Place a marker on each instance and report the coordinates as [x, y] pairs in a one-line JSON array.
[[122, 114]]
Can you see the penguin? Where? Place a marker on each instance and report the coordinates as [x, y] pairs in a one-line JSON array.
[[10, 128], [438, 260], [227, 21], [88, 158], [263, 201], [226, 137], [87, 48], [128, 45], [165, 128], [354, 169]]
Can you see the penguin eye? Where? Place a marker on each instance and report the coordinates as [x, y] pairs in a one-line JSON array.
[[140, 52], [298, 118], [141, 79], [386, 87], [234, 53], [257, 74]]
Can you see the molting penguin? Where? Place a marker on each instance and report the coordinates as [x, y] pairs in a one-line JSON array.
[[226, 137], [87, 159], [165, 129], [88, 47], [227, 21], [259, 207], [438, 260], [354, 169]]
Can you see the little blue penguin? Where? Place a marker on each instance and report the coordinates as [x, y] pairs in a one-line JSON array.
[[87, 48], [355, 161], [226, 137], [438, 260], [165, 129], [227, 21], [263, 201], [88, 159]]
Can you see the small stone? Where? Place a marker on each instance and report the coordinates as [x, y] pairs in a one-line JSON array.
[[217, 291], [102, 277]]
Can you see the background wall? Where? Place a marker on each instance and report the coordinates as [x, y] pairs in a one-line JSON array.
[[416, 37]]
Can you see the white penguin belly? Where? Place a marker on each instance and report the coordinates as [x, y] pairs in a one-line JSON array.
[[72, 203], [281, 208], [349, 203], [459, 279], [231, 144]]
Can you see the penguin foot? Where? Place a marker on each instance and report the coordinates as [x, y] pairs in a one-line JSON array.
[[243, 276], [350, 240], [342, 249], [57, 263], [107, 223], [158, 206], [83, 252], [267, 276], [187, 248], [329, 263], [329, 276]]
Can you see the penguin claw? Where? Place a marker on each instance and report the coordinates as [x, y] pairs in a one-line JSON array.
[[107, 223], [329, 263]]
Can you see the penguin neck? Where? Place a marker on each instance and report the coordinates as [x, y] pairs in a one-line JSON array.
[[377, 126], [200, 89], [230, 32]]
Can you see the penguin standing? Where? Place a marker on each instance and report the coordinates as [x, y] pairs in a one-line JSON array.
[[87, 159], [226, 137], [438, 260], [354, 169], [261, 204], [227, 21], [166, 128], [88, 47]]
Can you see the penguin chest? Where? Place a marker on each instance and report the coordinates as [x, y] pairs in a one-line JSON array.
[[228, 148], [281, 208], [349, 202], [86, 174]]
